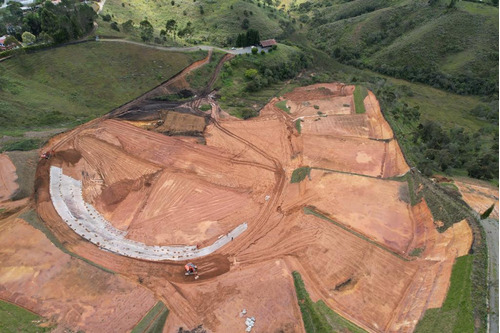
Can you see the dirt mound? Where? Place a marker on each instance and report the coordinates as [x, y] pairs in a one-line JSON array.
[[70, 156], [78, 296], [479, 195], [8, 177]]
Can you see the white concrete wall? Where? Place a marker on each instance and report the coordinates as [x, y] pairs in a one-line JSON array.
[[86, 221]]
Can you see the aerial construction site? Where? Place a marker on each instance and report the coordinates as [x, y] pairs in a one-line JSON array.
[[312, 185]]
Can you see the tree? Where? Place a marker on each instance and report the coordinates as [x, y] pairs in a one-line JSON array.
[[254, 50], [245, 24], [146, 30], [251, 73], [201, 10], [11, 40], [128, 25], [28, 38], [32, 23], [171, 26]]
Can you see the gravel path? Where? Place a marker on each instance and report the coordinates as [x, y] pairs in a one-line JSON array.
[[491, 229], [241, 50]]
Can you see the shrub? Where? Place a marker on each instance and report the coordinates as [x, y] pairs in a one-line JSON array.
[[114, 26], [298, 125], [487, 212], [300, 174]]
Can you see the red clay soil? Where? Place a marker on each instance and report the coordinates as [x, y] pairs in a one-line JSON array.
[[165, 190], [8, 177], [41, 278], [479, 195], [344, 140]]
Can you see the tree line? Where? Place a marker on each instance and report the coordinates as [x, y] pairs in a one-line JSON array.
[[48, 23]]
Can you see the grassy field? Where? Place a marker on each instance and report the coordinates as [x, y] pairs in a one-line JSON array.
[[207, 27], [456, 314], [67, 86], [318, 317], [359, 97], [16, 319], [153, 321]]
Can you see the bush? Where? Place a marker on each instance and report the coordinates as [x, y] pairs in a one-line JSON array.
[[300, 174], [254, 50], [106, 18], [487, 213], [114, 26], [298, 125]]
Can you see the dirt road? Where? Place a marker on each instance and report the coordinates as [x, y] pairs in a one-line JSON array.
[[491, 229], [243, 50]]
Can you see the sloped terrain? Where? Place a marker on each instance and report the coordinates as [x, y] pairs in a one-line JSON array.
[[354, 235]]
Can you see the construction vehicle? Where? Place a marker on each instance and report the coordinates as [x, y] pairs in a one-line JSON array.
[[190, 269], [48, 154]]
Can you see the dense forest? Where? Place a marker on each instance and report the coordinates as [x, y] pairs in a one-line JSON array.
[[48, 22]]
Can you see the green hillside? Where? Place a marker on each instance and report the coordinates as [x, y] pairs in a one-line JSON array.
[[215, 22], [455, 49], [70, 85]]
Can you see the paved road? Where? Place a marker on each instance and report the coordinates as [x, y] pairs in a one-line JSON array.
[[242, 50], [491, 229]]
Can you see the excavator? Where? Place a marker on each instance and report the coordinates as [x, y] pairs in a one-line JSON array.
[[191, 269]]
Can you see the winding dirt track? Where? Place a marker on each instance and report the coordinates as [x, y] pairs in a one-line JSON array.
[[356, 260]]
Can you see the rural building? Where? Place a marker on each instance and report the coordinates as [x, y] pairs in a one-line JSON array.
[[267, 43]]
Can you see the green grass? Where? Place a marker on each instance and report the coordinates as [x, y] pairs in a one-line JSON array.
[[218, 25], [456, 50], [298, 125], [22, 145], [282, 106], [416, 252], [16, 319], [274, 68], [154, 320], [71, 85], [444, 203], [205, 107], [300, 174], [318, 317], [487, 212], [199, 78], [32, 218], [456, 314], [360, 93]]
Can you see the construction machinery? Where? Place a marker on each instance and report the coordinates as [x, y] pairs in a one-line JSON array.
[[190, 269], [48, 154]]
